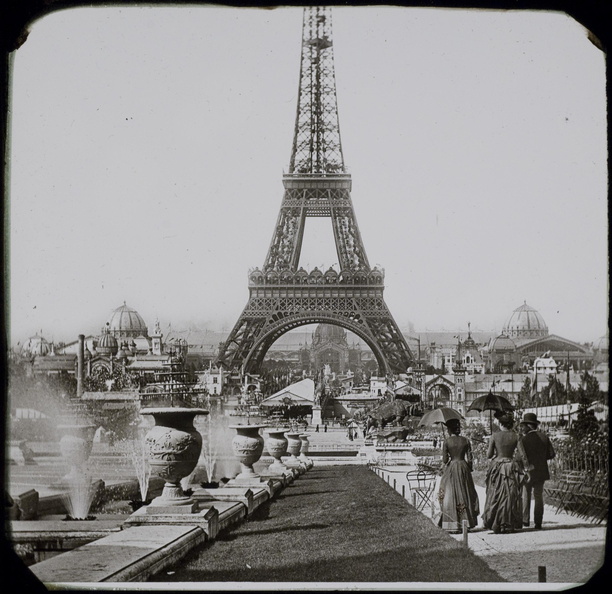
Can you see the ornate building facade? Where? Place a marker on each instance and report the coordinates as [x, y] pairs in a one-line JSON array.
[[525, 337]]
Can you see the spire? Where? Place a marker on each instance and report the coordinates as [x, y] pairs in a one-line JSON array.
[[316, 143]]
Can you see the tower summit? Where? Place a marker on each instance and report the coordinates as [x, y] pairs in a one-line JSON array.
[[281, 296]]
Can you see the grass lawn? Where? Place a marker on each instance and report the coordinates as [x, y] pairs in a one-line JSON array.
[[334, 524]]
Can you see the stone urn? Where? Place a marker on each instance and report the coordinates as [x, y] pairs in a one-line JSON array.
[[173, 447], [75, 445], [277, 448], [293, 449], [304, 450], [248, 447]]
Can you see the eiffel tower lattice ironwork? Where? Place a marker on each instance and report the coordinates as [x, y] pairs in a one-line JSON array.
[[281, 296]]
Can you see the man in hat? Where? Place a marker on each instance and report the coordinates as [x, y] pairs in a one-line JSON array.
[[538, 450]]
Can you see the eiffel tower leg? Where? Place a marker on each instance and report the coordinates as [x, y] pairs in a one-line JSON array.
[[240, 342], [264, 320]]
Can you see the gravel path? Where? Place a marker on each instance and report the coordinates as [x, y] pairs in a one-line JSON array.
[[570, 549]]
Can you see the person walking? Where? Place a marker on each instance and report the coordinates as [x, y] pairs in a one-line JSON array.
[[502, 511], [457, 494], [538, 450]]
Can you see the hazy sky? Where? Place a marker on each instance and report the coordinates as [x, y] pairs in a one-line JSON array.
[[148, 147]]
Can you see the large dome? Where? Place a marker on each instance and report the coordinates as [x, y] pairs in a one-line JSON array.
[[35, 345], [525, 322], [502, 343], [329, 333], [602, 344], [126, 321]]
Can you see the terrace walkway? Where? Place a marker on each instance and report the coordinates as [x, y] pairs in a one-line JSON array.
[[334, 524]]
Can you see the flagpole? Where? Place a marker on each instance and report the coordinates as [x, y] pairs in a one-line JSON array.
[[534, 388], [567, 392]]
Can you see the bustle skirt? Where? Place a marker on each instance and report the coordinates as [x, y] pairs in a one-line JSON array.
[[503, 506]]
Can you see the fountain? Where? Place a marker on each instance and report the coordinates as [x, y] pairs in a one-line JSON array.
[[75, 446], [173, 447], [216, 464], [140, 462]]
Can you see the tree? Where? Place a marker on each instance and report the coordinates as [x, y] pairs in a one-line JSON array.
[[554, 393], [524, 396], [586, 423]]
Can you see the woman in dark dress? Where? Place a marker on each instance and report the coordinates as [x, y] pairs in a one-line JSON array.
[[457, 494], [503, 508]]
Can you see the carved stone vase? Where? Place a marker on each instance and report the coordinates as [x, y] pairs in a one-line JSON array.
[[277, 448], [248, 446], [75, 447], [304, 450], [293, 449], [173, 446]]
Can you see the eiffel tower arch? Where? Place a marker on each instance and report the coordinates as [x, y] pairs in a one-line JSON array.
[[283, 296]]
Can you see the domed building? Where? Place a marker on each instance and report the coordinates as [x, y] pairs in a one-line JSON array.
[[107, 345], [126, 322], [600, 350], [35, 346], [525, 322], [525, 337], [330, 347]]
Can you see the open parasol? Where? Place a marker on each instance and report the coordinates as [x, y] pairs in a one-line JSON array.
[[491, 402], [439, 415]]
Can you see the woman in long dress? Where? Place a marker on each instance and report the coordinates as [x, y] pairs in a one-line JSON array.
[[457, 494], [503, 508]]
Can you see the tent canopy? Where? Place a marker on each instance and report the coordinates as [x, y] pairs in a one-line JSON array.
[[300, 393]]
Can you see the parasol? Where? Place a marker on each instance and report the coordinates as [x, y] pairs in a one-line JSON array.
[[491, 402], [439, 415]]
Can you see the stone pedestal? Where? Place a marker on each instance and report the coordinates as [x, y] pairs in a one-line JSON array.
[[206, 518], [316, 416], [234, 494], [256, 483]]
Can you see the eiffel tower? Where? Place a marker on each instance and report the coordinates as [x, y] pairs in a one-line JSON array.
[[281, 296]]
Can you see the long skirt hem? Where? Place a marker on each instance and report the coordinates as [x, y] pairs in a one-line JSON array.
[[503, 507], [458, 497]]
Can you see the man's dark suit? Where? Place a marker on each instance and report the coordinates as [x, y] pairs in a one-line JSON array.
[[538, 451]]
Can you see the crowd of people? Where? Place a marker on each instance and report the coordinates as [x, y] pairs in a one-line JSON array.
[[517, 471]]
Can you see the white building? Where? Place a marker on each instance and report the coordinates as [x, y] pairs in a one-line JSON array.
[[545, 365]]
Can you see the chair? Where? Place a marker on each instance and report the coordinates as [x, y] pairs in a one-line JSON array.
[[593, 498], [421, 484], [565, 495]]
